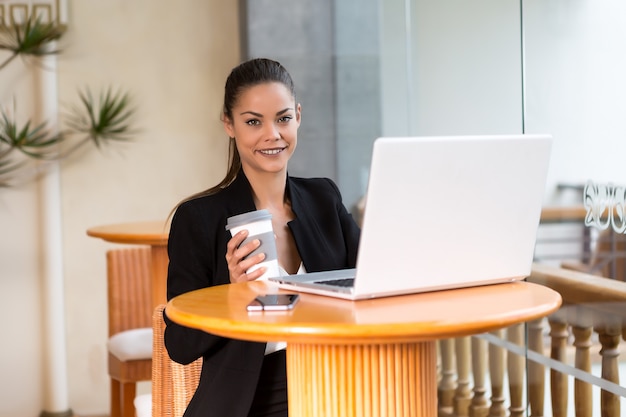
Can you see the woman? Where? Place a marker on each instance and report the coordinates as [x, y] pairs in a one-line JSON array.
[[314, 232]]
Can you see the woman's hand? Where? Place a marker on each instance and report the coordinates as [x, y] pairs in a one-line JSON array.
[[235, 254]]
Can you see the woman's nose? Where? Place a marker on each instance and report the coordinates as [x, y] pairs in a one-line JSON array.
[[271, 131]]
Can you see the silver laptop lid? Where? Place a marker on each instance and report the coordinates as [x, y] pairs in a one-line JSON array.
[[444, 212]]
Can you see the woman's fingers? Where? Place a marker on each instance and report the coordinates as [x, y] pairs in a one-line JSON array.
[[239, 261], [234, 242]]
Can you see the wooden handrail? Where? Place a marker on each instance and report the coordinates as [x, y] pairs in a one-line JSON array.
[[578, 287], [563, 214]]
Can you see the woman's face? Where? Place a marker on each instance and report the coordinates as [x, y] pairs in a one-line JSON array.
[[265, 121]]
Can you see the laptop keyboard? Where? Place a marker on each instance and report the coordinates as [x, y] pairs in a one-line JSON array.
[[344, 282]]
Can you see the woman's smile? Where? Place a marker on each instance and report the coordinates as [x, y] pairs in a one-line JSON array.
[[272, 151]]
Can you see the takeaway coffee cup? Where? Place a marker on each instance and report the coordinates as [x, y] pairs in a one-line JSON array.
[[259, 226]]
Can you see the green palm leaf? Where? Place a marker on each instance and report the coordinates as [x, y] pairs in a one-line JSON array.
[[33, 38], [7, 167], [36, 142], [110, 119]]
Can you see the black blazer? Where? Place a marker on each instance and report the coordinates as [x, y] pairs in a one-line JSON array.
[[326, 236]]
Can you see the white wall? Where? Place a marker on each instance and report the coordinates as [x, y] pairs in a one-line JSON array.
[[174, 57], [20, 357], [576, 88]]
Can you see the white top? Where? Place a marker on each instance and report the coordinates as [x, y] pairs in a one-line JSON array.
[[272, 347]]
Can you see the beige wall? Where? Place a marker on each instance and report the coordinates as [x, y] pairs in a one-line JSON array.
[[174, 57]]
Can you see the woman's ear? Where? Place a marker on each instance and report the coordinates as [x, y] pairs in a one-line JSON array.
[[298, 113], [228, 126]]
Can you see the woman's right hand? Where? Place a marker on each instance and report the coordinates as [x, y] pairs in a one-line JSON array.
[[235, 254]]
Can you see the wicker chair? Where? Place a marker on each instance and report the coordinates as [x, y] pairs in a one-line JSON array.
[[173, 384], [130, 333]]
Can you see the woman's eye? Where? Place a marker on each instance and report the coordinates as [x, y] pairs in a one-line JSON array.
[[253, 122], [285, 119]]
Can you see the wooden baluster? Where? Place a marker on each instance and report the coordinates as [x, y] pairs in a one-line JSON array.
[[516, 369], [582, 330], [479, 406], [462, 395], [496, 374], [447, 384], [558, 381], [609, 336], [438, 350], [536, 371]]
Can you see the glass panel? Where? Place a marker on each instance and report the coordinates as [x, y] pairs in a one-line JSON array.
[[419, 67], [462, 69], [357, 92], [574, 90]]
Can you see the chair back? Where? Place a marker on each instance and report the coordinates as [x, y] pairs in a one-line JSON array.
[[173, 384], [129, 288]]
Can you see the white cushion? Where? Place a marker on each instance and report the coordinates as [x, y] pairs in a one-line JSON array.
[[132, 344], [143, 405]]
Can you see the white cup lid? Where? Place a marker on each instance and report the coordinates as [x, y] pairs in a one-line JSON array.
[[245, 218]]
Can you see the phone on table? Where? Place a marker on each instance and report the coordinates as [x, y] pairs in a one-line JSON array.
[[273, 302]]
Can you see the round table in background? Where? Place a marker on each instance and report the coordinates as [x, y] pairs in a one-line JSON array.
[[152, 233], [363, 358]]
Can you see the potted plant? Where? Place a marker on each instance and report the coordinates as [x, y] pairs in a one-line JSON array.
[[97, 119]]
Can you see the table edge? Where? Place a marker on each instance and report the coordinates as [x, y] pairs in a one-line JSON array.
[[338, 335]]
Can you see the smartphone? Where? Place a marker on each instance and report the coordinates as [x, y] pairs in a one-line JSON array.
[[273, 302]]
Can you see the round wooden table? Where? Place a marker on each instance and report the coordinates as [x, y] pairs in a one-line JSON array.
[[364, 358], [152, 233]]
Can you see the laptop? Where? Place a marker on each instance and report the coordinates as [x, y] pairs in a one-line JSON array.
[[442, 213]]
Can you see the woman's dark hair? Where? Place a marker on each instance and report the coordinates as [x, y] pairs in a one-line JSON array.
[[248, 74]]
